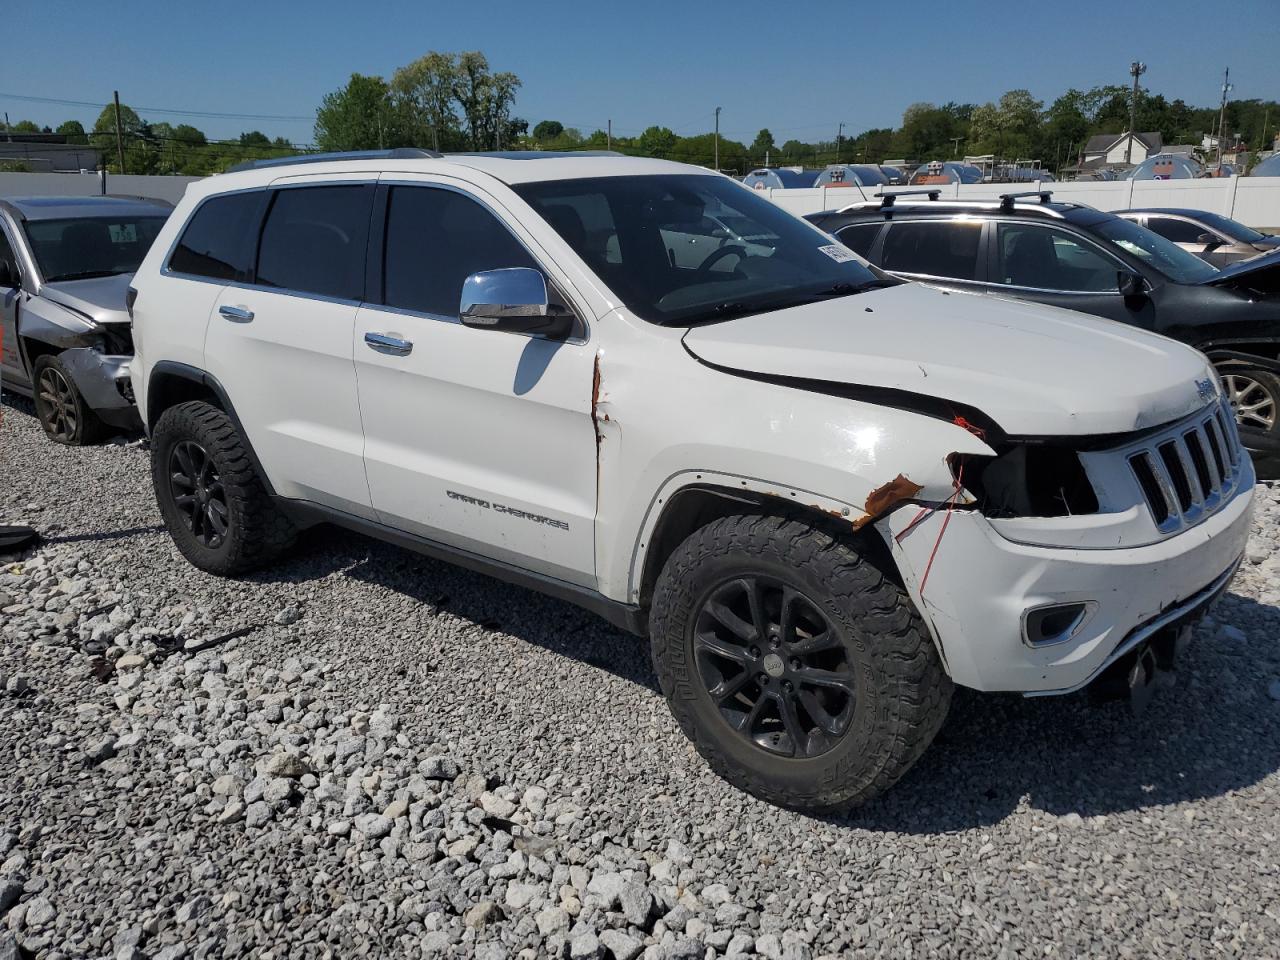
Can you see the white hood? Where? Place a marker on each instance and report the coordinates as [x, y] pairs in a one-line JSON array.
[[1034, 370]]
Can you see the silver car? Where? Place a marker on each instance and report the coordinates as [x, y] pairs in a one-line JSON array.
[[65, 267]]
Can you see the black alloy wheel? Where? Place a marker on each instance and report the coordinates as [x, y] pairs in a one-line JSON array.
[[58, 400], [775, 668], [198, 493]]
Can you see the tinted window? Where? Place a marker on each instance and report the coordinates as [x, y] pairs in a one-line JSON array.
[[77, 249], [1155, 251], [218, 242], [1179, 231], [689, 248], [6, 255], [1034, 256], [938, 248], [1232, 228], [314, 241], [860, 238], [435, 240]]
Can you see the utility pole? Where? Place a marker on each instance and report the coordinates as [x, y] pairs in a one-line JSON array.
[[8, 131], [717, 139], [119, 136], [609, 135], [955, 151], [1136, 70], [1222, 113], [839, 138]]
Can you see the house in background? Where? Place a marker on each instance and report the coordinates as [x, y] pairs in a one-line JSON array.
[[46, 153], [1108, 149]]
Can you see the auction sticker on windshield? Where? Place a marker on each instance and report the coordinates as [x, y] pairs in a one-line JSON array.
[[839, 253]]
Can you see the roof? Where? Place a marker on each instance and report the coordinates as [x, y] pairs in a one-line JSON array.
[[62, 208], [1176, 211], [1102, 142], [510, 168]]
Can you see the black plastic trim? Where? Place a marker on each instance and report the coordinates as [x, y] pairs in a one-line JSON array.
[[623, 615]]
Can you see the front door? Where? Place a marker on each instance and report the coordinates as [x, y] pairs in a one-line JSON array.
[[11, 369], [477, 439]]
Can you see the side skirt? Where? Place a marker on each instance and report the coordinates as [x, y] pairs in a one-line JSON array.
[[626, 616]]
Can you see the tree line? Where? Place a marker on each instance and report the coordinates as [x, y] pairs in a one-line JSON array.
[[456, 101]]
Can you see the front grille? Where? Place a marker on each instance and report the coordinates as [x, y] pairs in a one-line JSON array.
[[1189, 470]]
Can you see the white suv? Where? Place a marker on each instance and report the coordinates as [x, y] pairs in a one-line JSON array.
[[824, 494]]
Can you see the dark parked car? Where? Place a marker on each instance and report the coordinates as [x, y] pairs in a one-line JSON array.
[[1073, 256], [65, 266], [1210, 236]]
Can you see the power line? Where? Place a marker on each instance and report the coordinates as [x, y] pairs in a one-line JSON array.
[[182, 113]]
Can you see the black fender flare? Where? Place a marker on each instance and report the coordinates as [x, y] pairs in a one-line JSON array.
[[184, 371]]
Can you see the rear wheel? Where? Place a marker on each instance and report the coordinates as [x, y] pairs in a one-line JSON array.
[[61, 409], [214, 503], [799, 670]]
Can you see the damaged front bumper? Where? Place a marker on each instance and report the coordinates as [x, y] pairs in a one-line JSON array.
[[981, 588], [103, 381]]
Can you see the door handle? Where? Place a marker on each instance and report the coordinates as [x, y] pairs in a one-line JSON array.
[[385, 344], [238, 314]]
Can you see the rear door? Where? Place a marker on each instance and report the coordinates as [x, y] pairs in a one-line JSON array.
[[281, 344], [1035, 261], [946, 252]]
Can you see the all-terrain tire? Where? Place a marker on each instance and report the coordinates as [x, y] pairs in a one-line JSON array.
[[61, 409], [257, 531], [902, 691]]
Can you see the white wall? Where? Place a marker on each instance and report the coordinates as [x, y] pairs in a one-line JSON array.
[[1254, 201], [90, 185]]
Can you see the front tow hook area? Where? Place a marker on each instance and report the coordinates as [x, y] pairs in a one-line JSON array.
[[1144, 671]]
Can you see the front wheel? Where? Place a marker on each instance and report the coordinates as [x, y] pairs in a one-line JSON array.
[[61, 409], [802, 673]]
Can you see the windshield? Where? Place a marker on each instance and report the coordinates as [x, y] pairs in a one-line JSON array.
[[1232, 228], [84, 247], [1155, 251], [687, 248]]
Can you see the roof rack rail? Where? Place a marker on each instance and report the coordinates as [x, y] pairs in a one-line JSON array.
[[1006, 199], [887, 199], [396, 153]]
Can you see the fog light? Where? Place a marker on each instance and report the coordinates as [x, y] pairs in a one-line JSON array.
[[1054, 622]]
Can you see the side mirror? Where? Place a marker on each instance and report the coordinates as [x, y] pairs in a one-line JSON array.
[[512, 300], [1209, 240], [1131, 284]]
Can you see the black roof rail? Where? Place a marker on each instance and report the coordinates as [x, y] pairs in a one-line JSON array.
[[886, 199], [395, 153], [1006, 199]]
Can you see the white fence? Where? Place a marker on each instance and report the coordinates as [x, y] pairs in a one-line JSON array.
[[1251, 200], [1254, 201], [90, 185]]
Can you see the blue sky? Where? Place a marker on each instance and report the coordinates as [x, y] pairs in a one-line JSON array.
[[796, 67]]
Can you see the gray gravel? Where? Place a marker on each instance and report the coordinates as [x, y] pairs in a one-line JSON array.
[[362, 752]]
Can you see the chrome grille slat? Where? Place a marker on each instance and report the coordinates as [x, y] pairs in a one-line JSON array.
[[1179, 498]]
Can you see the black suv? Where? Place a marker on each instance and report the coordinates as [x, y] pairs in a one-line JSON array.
[[1068, 255]]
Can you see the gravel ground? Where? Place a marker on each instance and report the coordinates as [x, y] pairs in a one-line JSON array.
[[362, 752]]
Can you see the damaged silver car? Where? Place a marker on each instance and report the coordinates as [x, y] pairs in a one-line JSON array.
[[65, 267]]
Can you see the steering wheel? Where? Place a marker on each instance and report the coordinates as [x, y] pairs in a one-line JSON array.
[[719, 254]]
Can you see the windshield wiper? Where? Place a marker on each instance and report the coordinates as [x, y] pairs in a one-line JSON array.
[[86, 275]]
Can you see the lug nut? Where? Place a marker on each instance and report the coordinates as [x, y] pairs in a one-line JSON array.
[[795, 663], [755, 652]]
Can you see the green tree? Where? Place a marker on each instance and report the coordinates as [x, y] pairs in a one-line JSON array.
[[486, 99], [427, 90], [73, 130], [26, 126], [656, 142], [763, 145], [546, 130], [254, 138], [360, 116]]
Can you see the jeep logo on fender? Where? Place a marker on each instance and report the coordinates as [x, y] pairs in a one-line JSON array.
[[1206, 389]]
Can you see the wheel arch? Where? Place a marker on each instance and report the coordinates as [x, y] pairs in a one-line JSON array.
[[171, 383], [679, 510]]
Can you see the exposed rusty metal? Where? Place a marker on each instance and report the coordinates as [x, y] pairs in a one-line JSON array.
[[886, 497], [595, 402]]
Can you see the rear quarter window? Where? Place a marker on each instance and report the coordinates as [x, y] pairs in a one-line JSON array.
[[860, 238], [935, 248], [218, 240]]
